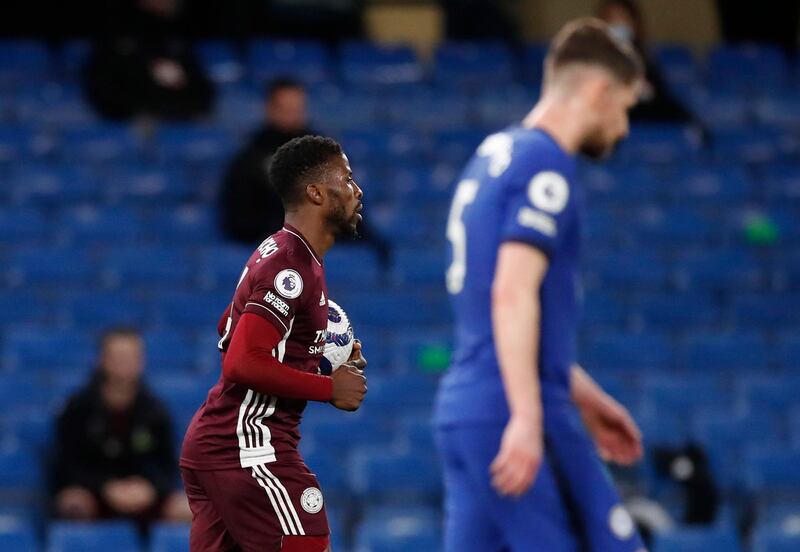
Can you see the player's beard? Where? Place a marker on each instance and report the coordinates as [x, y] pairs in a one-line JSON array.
[[596, 147], [343, 226]]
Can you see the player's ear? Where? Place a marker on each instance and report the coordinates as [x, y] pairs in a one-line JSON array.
[[315, 194]]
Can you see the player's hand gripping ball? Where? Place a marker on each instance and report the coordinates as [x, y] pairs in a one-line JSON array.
[[339, 339]]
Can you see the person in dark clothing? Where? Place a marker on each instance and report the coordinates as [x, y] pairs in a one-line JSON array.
[[114, 453], [139, 67], [657, 103], [250, 210]]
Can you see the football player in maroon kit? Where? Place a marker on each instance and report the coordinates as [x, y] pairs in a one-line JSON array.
[[248, 487]]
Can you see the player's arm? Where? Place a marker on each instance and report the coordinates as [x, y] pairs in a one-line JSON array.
[[516, 321], [250, 361], [616, 434]]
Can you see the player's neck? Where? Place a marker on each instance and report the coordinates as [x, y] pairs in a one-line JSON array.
[[314, 231], [561, 120]]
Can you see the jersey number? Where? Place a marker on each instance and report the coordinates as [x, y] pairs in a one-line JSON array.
[[457, 234]]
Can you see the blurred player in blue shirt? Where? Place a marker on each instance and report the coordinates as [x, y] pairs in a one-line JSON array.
[[521, 472]]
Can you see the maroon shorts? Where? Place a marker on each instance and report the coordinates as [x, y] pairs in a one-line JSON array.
[[251, 509]]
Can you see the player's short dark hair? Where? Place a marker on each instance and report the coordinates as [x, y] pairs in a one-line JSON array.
[[281, 83], [296, 162], [588, 41], [117, 331]]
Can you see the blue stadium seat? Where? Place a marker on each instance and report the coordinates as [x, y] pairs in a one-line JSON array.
[[22, 226], [148, 186], [92, 311], [352, 266], [120, 536], [389, 394], [23, 60], [27, 394], [698, 540], [411, 350], [683, 311], [533, 62], [429, 110], [603, 311], [626, 351], [653, 143], [500, 107], [417, 266], [221, 60], [473, 63], [775, 310], [624, 185], [188, 224], [335, 111], [165, 266], [713, 185], [337, 431], [677, 63], [221, 265], [399, 530], [417, 432], [54, 185], [773, 469], [379, 145], [169, 537], [17, 143], [749, 146], [683, 396], [725, 437], [787, 353], [169, 351], [662, 428], [88, 224], [778, 512], [20, 472], [722, 110], [104, 143], [674, 228], [377, 475], [307, 61], [192, 310], [33, 430], [711, 353], [194, 144], [769, 394], [631, 270], [747, 68], [782, 183], [365, 63], [720, 270], [774, 539], [26, 349], [19, 307], [779, 111], [456, 146], [17, 534]]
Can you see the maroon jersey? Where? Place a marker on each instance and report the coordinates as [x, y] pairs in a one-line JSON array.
[[284, 282]]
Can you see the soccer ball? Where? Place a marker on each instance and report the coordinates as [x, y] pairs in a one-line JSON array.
[[338, 341]]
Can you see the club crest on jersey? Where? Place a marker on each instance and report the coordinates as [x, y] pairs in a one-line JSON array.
[[311, 500], [289, 283]]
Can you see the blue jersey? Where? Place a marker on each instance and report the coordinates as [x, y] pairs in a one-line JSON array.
[[519, 186]]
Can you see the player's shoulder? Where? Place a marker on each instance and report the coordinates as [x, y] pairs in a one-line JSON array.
[[283, 262]]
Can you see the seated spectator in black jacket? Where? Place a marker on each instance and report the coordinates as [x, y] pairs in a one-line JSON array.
[[657, 103], [139, 66], [250, 210], [114, 453]]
